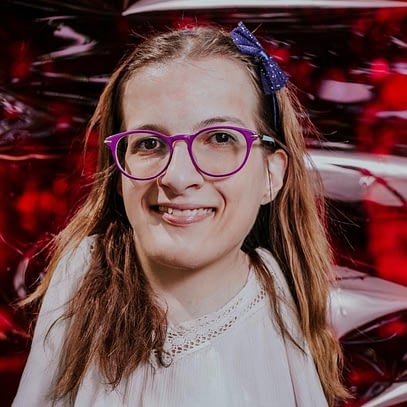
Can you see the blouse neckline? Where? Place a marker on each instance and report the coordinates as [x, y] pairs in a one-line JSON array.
[[189, 336]]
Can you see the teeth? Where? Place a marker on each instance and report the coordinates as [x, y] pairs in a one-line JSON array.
[[185, 212]]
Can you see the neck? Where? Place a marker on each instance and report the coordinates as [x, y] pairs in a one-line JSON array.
[[190, 293]]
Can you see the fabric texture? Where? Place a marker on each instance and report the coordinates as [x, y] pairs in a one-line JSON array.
[[233, 357]]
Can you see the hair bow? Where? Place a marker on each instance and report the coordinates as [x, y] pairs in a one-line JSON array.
[[272, 77]]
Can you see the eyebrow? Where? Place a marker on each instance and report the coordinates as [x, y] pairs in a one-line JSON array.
[[200, 125], [219, 120]]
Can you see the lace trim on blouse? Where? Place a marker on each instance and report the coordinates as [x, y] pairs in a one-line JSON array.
[[189, 336]]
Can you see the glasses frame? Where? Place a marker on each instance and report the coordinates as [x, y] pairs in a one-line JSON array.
[[250, 136]]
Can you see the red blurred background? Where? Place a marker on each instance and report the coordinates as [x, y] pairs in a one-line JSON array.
[[350, 65]]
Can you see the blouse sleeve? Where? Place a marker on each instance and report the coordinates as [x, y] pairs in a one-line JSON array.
[[41, 367]]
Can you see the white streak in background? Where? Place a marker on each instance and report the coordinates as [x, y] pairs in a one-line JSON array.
[[360, 298], [382, 178], [81, 44], [87, 79], [344, 92], [395, 67], [143, 6], [26, 157], [380, 165], [401, 114], [400, 67], [399, 42], [394, 395], [19, 277], [11, 246]]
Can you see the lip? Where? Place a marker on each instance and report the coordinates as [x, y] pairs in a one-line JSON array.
[[180, 215]]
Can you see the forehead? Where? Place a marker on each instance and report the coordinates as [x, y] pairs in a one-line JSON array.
[[188, 91]]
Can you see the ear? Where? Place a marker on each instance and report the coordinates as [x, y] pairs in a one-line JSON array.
[[276, 164]]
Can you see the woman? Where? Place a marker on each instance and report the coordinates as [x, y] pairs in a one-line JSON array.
[[197, 271]]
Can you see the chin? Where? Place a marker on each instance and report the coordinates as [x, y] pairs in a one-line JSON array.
[[179, 261]]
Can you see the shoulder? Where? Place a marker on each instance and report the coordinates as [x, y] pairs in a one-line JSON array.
[[50, 330], [79, 253], [286, 304], [74, 261], [68, 273], [275, 271]]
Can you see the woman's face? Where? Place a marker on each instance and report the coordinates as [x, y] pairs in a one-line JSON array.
[[183, 219]]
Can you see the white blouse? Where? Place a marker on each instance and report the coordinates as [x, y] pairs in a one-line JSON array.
[[233, 357]]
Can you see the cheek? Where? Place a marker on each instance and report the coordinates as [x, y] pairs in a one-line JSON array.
[[242, 207], [247, 191], [132, 194], [258, 185], [126, 188]]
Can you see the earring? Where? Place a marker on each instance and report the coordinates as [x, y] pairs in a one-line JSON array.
[[272, 192], [270, 187]]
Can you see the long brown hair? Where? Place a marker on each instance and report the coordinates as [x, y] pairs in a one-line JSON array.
[[115, 320]]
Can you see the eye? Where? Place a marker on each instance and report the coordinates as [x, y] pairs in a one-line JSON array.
[[222, 137], [146, 145], [149, 144]]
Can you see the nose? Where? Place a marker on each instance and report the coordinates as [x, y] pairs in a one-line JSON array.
[[181, 173]]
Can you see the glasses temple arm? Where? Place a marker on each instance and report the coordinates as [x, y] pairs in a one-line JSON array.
[[276, 143]]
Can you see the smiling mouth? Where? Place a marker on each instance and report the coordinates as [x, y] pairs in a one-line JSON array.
[[186, 213]]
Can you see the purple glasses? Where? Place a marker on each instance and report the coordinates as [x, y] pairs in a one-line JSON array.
[[217, 151]]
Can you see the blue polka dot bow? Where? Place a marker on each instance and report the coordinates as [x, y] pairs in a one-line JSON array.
[[272, 77]]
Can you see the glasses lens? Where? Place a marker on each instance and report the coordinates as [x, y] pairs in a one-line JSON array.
[[219, 151], [142, 155]]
